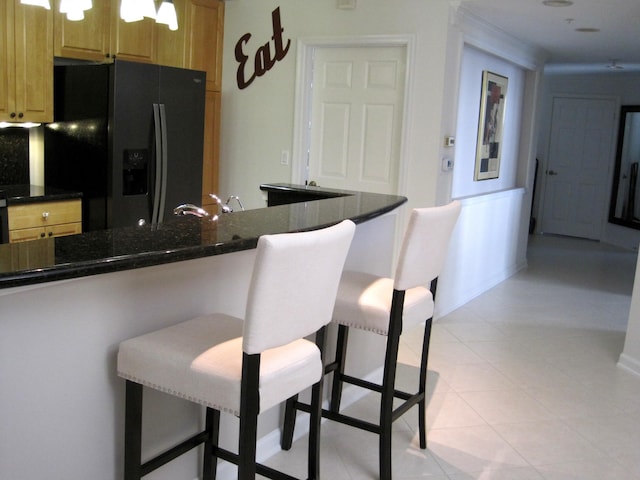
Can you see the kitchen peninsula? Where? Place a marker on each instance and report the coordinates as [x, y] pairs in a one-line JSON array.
[[62, 324]]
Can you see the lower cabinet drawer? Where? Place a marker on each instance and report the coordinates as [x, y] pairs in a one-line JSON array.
[[43, 214], [35, 221], [26, 234]]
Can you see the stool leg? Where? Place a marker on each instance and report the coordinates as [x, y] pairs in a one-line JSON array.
[[210, 460], [422, 405], [133, 431], [386, 407], [315, 417], [341, 357], [388, 383], [289, 423], [249, 409]]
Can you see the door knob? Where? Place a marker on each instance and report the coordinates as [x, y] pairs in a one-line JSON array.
[[552, 172]]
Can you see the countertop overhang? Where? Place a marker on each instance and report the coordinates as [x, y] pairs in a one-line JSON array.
[[21, 194], [188, 237]]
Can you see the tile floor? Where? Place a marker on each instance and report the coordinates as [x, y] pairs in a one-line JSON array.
[[523, 382]]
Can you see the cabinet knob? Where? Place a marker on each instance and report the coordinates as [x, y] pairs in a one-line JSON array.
[[45, 215], [20, 115], [42, 235], [12, 114], [50, 234]]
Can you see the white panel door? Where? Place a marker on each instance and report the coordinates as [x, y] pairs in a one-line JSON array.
[[356, 118], [577, 176]]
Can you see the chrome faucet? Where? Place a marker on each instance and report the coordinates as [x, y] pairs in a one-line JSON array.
[[225, 207], [237, 199], [190, 209]]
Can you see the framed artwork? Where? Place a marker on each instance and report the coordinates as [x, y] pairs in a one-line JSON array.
[[490, 125]]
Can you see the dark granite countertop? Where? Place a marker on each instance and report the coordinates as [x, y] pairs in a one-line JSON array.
[[182, 238], [20, 194]]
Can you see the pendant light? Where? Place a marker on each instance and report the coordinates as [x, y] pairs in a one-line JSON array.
[[130, 11], [167, 14], [37, 3], [148, 8], [74, 9]]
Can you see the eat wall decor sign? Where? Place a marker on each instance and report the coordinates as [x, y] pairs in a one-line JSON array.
[[264, 59]]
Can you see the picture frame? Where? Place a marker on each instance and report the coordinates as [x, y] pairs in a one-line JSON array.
[[493, 100]]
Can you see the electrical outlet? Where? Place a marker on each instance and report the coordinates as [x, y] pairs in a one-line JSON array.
[[284, 157]]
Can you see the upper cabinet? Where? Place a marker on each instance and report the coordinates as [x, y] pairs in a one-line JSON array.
[[104, 35], [26, 59], [206, 28], [87, 39]]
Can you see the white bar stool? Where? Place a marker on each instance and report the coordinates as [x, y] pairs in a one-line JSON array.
[[384, 306], [243, 367]]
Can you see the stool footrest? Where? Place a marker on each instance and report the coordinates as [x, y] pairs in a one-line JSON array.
[[261, 469], [411, 400], [374, 386], [174, 452]]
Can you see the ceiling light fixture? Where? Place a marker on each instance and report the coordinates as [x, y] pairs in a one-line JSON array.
[[167, 14], [148, 8], [37, 3], [74, 9], [130, 11], [557, 3]]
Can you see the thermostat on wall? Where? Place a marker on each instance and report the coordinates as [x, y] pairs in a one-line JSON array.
[[449, 141]]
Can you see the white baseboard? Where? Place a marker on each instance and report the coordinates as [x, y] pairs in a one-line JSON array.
[[629, 364]]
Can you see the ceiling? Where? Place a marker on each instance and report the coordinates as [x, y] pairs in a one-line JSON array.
[[554, 29]]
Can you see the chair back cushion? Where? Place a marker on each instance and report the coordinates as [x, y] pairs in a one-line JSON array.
[[294, 285], [425, 245]]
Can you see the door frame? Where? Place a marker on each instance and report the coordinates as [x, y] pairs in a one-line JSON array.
[[542, 171], [306, 48]]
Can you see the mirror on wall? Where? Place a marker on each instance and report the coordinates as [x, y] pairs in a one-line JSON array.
[[625, 193]]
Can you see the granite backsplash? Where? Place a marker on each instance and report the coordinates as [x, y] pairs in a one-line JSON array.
[[14, 156]]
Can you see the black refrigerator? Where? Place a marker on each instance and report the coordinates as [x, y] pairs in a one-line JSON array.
[[129, 136]]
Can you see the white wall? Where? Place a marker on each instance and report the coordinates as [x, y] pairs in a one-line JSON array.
[[257, 122], [489, 243], [474, 62], [623, 85]]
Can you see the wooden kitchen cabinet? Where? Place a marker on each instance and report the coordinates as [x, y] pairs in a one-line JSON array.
[[204, 47], [206, 30], [211, 150], [26, 59], [102, 35], [34, 221], [86, 39]]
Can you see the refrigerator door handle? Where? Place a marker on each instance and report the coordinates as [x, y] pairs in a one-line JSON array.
[[165, 162], [158, 166]]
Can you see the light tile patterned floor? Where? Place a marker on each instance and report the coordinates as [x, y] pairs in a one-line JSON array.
[[523, 382]]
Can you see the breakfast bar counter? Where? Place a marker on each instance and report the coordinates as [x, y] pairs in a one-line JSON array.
[[62, 323], [188, 237]]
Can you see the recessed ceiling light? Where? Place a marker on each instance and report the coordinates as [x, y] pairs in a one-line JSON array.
[[587, 30], [557, 3]]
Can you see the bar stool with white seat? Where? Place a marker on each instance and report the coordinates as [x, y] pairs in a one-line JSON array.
[[385, 306], [243, 367]]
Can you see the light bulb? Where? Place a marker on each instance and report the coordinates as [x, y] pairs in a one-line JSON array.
[[148, 8], [167, 14], [129, 11], [37, 3]]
